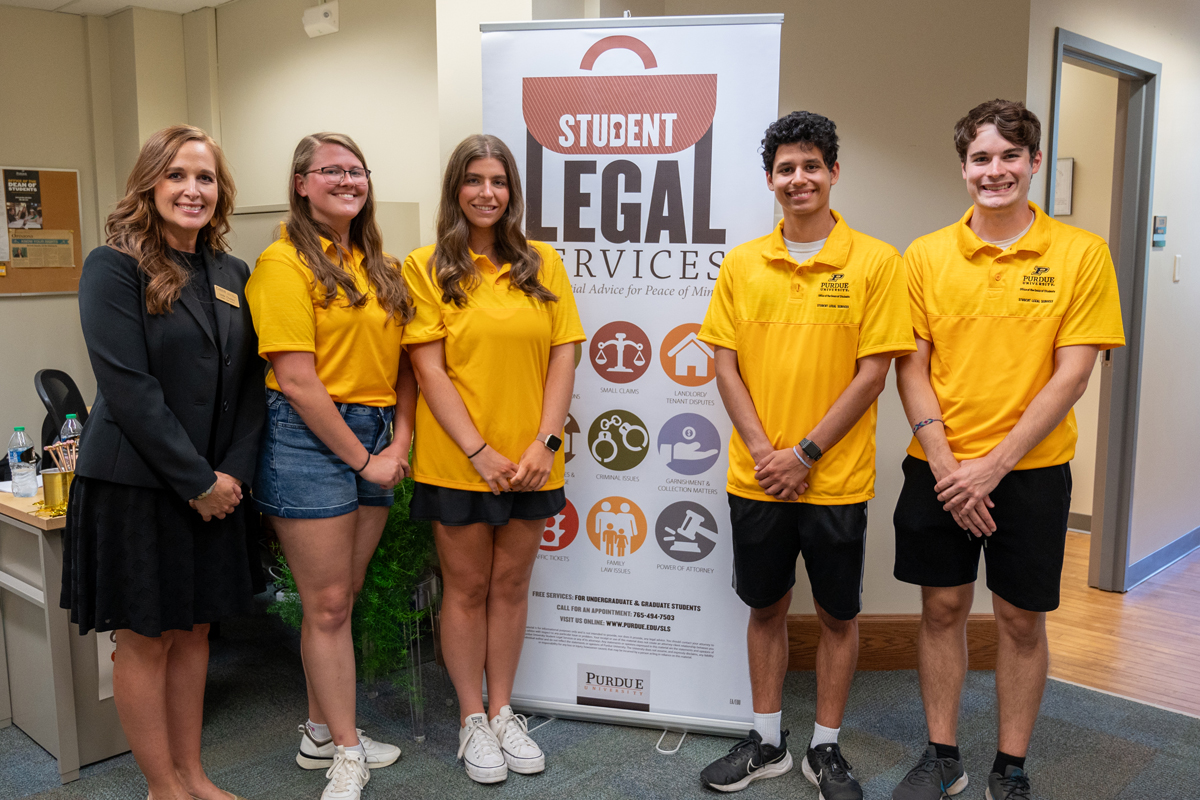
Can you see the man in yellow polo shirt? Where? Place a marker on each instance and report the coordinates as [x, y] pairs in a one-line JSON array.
[[1010, 308], [805, 321]]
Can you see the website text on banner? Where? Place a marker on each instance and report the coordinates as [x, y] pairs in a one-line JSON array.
[[639, 159]]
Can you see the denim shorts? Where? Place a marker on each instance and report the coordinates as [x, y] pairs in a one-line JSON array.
[[298, 477]]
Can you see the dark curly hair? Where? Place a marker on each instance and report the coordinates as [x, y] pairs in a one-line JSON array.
[[1012, 119], [801, 127]]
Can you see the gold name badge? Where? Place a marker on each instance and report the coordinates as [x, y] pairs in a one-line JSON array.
[[226, 296]]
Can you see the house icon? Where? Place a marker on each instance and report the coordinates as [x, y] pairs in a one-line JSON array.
[[691, 355]]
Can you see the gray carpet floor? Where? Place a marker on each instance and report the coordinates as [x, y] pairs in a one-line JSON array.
[[1087, 746]]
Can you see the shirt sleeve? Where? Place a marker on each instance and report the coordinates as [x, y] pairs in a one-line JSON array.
[[427, 324], [565, 324], [281, 304], [914, 264], [887, 318], [719, 327], [1094, 314]]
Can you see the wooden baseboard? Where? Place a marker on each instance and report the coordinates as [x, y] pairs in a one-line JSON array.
[[888, 641]]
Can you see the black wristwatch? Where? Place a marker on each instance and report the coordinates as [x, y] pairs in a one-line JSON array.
[[552, 442], [811, 450]]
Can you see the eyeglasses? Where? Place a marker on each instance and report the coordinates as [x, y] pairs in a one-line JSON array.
[[333, 175]]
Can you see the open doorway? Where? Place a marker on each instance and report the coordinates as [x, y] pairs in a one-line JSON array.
[[1101, 168]]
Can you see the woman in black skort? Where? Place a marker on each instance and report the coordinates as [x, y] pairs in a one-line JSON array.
[[155, 543]]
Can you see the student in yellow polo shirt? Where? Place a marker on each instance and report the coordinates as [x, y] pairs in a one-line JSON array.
[[806, 321], [329, 306], [1010, 308], [493, 346]]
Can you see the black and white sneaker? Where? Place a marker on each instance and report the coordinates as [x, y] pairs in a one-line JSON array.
[[748, 760], [1012, 785], [828, 770]]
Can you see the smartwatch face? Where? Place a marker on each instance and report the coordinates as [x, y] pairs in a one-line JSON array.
[[553, 442]]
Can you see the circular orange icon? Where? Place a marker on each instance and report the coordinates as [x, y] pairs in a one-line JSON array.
[[616, 526], [687, 360]]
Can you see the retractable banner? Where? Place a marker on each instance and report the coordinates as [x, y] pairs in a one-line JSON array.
[[638, 144]]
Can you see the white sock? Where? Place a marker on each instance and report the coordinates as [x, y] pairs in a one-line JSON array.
[[358, 748], [318, 732], [823, 735], [767, 726]]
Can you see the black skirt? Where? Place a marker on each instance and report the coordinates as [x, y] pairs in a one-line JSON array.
[[463, 507], [143, 560]]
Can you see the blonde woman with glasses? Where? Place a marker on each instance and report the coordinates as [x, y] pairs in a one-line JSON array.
[[330, 309], [493, 345]]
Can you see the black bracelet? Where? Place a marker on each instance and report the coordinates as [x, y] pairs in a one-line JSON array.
[[477, 452], [364, 466]]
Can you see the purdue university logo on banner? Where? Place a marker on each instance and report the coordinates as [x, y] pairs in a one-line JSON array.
[[613, 687]]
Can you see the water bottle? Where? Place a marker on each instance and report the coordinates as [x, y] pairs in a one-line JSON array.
[[20, 462], [71, 429]]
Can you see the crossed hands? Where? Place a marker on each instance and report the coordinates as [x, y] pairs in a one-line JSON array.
[[502, 475], [780, 473], [225, 496], [964, 488]]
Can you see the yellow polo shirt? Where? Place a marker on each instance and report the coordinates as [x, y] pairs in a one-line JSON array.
[[995, 318], [799, 330], [497, 353], [357, 350]]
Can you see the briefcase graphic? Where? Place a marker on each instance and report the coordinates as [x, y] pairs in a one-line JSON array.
[[619, 114]]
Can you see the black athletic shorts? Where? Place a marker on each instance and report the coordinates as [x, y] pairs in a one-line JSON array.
[[1024, 556], [767, 538]]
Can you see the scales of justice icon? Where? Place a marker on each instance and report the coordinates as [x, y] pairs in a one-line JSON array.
[[620, 342], [693, 526]]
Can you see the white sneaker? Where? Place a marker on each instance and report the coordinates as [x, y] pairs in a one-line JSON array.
[[480, 752], [319, 755], [347, 776], [520, 752]]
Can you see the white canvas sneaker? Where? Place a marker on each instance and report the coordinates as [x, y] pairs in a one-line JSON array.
[[319, 755], [480, 752], [520, 752], [347, 776]]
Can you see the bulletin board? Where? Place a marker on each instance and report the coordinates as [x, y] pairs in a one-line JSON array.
[[42, 248]]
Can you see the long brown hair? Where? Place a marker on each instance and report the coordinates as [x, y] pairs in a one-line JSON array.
[[136, 228], [451, 265], [305, 232]]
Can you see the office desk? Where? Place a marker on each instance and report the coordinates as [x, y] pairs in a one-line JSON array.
[[49, 674]]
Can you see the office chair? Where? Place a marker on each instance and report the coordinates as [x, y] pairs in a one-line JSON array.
[[61, 396]]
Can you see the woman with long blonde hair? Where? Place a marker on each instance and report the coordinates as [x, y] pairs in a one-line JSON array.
[[330, 308], [155, 543], [493, 345]]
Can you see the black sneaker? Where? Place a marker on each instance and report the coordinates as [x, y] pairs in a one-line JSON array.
[[748, 760], [1012, 785], [828, 770], [932, 778]]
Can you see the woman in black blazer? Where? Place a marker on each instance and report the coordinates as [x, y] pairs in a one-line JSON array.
[[155, 543]]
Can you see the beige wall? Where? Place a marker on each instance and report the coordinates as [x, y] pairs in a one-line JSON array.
[[375, 79], [1087, 133], [1166, 504], [895, 82], [45, 123]]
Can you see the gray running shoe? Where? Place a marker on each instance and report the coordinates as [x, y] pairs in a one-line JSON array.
[[1012, 785], [933, 778]]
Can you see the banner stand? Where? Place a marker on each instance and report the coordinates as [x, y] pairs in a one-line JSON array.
[[638, 146]]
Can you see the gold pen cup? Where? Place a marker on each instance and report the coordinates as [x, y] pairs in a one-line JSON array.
[[56, 489]]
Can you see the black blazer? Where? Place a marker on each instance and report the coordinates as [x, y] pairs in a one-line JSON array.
[[156, 378]]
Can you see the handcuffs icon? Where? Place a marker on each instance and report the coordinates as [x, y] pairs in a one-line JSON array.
[[623, 428]]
